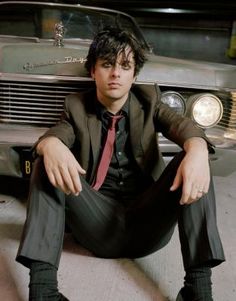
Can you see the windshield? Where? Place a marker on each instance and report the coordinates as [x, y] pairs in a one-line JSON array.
[[38, 20]]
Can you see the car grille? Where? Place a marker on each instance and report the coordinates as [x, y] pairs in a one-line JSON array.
[[228, 119], [41, 103], [37, 104]]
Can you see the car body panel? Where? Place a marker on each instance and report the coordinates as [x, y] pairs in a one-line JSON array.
[[37, 71]]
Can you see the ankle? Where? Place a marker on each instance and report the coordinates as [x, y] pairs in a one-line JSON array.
[[197, 284], [43, 282]]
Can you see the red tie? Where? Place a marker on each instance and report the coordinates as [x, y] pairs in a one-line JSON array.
[[107, 153]]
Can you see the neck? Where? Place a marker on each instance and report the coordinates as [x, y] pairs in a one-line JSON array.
[[113, 106]]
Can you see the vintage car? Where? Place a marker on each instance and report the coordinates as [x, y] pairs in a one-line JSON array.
[[43, 47]]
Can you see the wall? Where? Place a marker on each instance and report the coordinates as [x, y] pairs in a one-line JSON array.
[[204, 39]]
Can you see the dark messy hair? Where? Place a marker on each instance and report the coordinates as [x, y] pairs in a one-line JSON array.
[[111, 42]]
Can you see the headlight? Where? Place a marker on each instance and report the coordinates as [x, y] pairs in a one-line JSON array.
[[174, 100], [207, 110]]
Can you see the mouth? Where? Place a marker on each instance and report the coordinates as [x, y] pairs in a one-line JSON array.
[[114, 85]]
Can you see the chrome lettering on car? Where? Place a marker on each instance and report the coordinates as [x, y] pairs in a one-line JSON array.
[[67, 60], [59, 31]]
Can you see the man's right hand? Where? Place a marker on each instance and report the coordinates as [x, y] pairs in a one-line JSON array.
[[61, 166]]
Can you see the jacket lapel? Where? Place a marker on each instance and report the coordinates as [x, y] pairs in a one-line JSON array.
[[136, 125], [95, 128]]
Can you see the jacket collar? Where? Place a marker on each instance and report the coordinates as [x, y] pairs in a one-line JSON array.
[[136, 120]]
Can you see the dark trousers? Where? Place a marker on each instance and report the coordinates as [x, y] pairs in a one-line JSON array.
[[110, 230]]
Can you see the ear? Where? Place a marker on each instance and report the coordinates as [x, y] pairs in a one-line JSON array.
[[92, 73]]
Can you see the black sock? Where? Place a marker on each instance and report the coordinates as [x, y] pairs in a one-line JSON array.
[[43, 282], [197, 284]]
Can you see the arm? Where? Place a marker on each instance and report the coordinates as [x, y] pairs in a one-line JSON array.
[[61, 166], [193, 173]]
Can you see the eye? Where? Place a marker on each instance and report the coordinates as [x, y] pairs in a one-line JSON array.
[[106, 65], [126, 65]]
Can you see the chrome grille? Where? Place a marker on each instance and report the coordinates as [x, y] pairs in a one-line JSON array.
[[33, 103], [228, 119]]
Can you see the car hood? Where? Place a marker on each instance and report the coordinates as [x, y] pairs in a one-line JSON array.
[[43, 59], [188, 73], [46, 59]]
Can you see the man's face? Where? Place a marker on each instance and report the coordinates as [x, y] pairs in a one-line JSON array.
[[114, 79]]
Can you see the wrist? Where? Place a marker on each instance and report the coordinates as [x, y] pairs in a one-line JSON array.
[[45, 143], [196, 144]]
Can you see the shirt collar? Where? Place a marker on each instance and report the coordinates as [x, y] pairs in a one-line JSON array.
[[101, 110]]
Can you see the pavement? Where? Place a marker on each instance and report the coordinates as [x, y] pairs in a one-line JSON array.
[[83, 277]]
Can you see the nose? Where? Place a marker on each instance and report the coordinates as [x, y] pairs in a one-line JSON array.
[[115, 72]]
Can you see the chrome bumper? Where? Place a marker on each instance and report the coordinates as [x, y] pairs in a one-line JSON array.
[[222, 161], [15, 142]]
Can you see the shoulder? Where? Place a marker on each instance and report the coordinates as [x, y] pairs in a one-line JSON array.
[[146, 96], [82, 99], [81, 96], [146, 93]]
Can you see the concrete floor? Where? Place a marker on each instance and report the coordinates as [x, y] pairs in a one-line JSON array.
[[82, 277]]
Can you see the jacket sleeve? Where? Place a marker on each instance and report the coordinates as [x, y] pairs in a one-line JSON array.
[[173, 126], [63, 130], [176, 127]]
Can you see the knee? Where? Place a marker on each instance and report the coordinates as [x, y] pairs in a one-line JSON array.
[[38, 168], [39, 181], [39, 178]]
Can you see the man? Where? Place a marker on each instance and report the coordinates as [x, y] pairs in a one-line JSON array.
[[130, 207]]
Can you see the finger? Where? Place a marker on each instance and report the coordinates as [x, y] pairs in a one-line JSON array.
[[75, 179], [184, 199], [199, 194], [186, 191], [51, 178], [54, 179], [75, 172], [206, 188], [195, 195], [71, 180], [81, 170], [177, 182], [63, 181], [191, 192]]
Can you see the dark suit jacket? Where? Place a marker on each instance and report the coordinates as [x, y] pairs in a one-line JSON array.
[[80, 129]]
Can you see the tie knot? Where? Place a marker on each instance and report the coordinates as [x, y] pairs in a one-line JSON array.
[[114, 120]]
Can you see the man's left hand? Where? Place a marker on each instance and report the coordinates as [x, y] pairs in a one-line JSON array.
[[193, 172]]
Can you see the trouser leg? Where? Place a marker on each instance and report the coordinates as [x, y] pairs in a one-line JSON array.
[[156, 214], [96, 221], [198, 232], [152, 219], [43, 231], [108, 230]]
